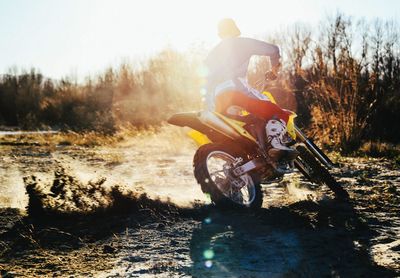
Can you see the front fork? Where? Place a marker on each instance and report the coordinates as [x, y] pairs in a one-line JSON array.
[[313, 148]]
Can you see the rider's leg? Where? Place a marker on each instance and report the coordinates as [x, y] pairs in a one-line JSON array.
[[261, 108], [275, 116]]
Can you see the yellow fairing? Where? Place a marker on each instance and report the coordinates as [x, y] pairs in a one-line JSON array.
[[198, 137], [238, 126], [290, 126], [270, 96], [202, 139]]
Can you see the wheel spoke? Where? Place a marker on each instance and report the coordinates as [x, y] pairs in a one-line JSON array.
[[245, 192], [217, 173], [218, 163]]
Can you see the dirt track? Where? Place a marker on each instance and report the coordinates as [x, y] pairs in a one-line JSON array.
[[299, 232]]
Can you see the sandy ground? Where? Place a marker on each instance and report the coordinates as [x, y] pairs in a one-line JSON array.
[[92, 219]]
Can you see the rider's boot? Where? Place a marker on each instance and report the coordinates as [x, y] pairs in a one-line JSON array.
[[277, 150]]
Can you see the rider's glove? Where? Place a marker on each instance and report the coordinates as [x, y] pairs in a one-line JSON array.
[[273, 73]]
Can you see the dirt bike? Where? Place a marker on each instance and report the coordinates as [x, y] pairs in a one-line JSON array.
[[231, 162]]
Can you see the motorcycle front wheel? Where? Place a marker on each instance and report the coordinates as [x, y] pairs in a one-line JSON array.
[[212, 169], [308, 165]]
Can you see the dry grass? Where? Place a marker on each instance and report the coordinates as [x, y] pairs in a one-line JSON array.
[[380, 149], [86, 139], [71, 138], [126, 135]]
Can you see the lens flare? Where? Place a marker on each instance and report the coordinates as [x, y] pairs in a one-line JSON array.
[[202, 71], [208, 254]]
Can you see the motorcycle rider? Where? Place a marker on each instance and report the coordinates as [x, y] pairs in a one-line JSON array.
[[228, 91]]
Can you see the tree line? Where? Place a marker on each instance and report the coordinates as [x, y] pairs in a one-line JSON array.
[[344, 76], [138, 95]]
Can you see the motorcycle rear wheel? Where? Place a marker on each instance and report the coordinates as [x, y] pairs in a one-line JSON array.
[[211, 169]]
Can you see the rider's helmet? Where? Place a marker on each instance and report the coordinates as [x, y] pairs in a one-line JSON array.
[[227, 29]]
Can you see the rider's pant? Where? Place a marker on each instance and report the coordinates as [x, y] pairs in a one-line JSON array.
[[261, 108]]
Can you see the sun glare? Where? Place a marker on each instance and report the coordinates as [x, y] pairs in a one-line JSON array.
[[84, 37], [116, 30]]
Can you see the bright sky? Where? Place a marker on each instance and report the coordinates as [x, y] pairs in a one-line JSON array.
[[81, 37]]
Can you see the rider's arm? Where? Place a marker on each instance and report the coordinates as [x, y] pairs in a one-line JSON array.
[[256, 47]]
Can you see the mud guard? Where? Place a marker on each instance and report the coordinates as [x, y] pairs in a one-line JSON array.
[[198, 137]]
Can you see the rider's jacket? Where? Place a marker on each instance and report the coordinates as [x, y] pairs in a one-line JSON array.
[[227, 66]]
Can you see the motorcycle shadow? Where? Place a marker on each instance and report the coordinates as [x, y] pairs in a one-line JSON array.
[[305, 239]]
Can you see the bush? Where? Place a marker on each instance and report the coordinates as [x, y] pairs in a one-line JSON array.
[[145, 96], [346, 77]]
